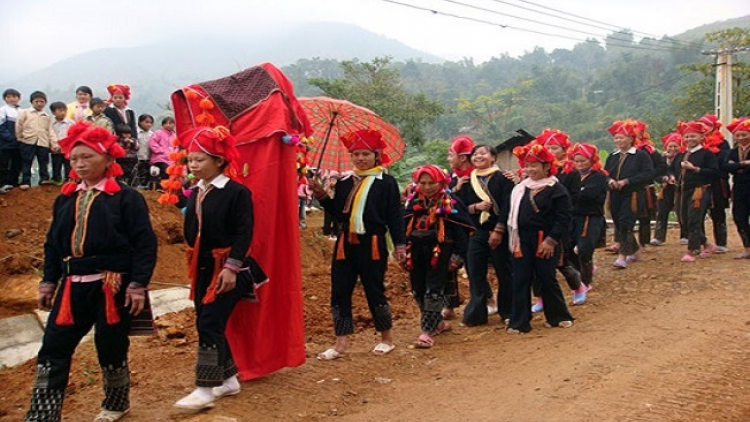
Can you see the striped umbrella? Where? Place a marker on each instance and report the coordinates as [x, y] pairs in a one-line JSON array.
[[330, 118]]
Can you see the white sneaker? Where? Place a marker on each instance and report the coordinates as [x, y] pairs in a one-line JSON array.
[[200, 398], [684, 241], [6, 188], [656, 242], [721, 249], [223, 390]]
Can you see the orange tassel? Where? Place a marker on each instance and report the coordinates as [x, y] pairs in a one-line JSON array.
[[697, 197], [375, 248], [340, 254], [441, 231], [649, 198], [539, 241], [585, 230], [353, 238], [220, 257], [634, 202], [110, 287], [65, 313]]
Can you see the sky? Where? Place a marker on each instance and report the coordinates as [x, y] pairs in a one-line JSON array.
[[38, 33]]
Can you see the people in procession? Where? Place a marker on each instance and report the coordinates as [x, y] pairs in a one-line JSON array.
[[218, 231], [538, 223], [694, 171], [738, 165], [720, 191], [630, 169], [367, 203], [668, 196], [99, 257], [647, 213], [487, 197], [437, 233]]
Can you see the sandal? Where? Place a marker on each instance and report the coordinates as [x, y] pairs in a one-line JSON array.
[[382, 349], [110, 415], [330, 354], [443, 327], [424, 342]]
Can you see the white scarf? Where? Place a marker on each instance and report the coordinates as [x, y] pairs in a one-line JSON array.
[[515, 204]]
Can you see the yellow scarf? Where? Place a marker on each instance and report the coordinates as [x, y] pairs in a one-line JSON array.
[[362, 189], [479, 190]]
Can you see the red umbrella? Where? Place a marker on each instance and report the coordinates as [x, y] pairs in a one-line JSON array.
[[331, 118]]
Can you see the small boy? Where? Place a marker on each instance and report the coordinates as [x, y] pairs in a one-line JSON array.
[[36, 137], [60, 126], [130, 160], [10, 155], [97, 117], [145, 123]]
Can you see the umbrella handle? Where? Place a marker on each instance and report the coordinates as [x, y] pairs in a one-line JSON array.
[[325, 141]]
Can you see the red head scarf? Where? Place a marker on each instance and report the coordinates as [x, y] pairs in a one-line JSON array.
[[114, 89], [692, 127], [366, 139], [589, 151], [712, 121], [102, 142], [216, 141], [739, 124], [461, 145], [553, 137], [436, 173], [674, 138], [627, 127], [535, 153]]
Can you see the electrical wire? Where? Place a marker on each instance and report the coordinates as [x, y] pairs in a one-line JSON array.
[[505, 26]]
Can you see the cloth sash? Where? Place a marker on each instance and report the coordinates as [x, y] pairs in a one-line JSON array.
[[356, 218], [515, 205], [480, 190]]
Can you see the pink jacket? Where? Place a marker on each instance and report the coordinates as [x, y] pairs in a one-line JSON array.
[[160, 145]]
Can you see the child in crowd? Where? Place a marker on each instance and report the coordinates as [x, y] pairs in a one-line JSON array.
[[130, 160], [60, 126], [79, 109], [437, 233], [97, 117], [10, 154], [160, 145], [145, 123], [36, 136], [668, 196], [118, 110], [304, 194]]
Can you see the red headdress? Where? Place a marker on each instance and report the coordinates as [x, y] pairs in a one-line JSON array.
[[99, 140], [714, 137], [674, 138], [627, 127], [436, 173], [366, 139], [216, 141], [712, 121], [553, 137], [114, 89], [535, 153], [692, 127], [461, 145], [739, 124], [589, 151]]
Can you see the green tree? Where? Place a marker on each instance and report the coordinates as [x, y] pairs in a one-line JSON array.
[[378, 86]]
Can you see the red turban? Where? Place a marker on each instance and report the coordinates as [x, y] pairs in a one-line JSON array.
[[436, 173], [692, 127], [740, 124], [94, 137], [461, 145], [674, 138], [553, 137], [115, 89], [589, 151], [365, 139], [626, 127], [711, 120], [535, 153], [216, 141]]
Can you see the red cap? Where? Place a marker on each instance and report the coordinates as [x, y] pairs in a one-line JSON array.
[[535, 153], [461, 145], [436, 173], [216, 141], [365, 139], [114, 89], [739, 124], [692, 127], [553, 137]]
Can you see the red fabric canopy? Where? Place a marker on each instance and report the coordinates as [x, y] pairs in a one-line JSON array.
[[259, 107]]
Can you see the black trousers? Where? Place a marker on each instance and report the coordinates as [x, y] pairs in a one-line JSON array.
[[529, 267], [10, 167], [329, 224], [215, 361], [428, 282], [645, 215], [666, 204], [143, 169], [359, 264], [28, 153], [624, 215], [59, 344], [478, 257], [695, 217], [60, 167], [741, 211]]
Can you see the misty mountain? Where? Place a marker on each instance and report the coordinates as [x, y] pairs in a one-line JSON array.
[[154, 71]]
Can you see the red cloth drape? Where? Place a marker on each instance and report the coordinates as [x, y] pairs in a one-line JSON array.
[[268, 335]]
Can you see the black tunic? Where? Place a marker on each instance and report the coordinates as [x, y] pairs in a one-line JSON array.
[[500, 188], [637, 168], [592, 195], [740, 172], [703, 158], [550, 211]]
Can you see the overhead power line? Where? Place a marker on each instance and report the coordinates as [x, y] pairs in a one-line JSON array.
[[505, 26]]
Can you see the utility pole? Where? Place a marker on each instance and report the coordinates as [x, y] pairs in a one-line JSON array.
[[723, 106]]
